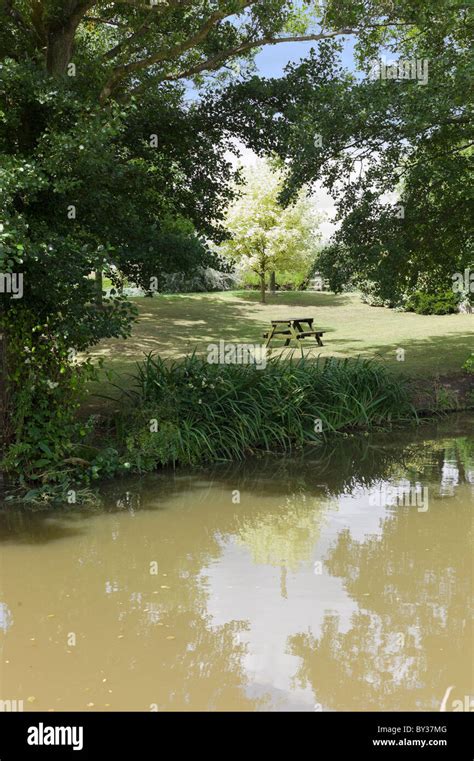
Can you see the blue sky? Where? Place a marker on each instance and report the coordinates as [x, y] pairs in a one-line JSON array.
[[272, 59]]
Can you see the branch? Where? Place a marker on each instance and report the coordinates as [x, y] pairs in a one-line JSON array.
[[173, 52], [107, 22], [210, 64], [113, 52], [81, 10], [158, 9], [14, 14], [154, 12], [182, 47], [213, 63]]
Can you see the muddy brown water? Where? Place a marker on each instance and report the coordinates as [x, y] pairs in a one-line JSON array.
[[338, 579]]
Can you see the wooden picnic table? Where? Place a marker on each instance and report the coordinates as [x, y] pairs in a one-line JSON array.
[[293, 328]]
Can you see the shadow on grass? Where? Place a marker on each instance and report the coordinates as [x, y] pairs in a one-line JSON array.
[[176, 333], [176, 325], [317, 299]]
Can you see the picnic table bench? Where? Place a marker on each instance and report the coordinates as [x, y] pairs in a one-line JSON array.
[[292, 328]]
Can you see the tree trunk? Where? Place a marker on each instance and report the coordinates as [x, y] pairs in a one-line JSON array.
[[60, 36], [60, 48], [272, 281], [262, 288]]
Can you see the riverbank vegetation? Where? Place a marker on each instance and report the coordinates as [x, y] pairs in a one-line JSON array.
[[190, 412], [205, 412]]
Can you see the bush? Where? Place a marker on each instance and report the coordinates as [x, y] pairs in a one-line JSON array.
[[203, 280], [47, 389], [469, 364], [432, 303], [191, 412], [370, 295]]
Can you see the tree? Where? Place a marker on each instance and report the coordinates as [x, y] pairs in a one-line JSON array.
[[135, 40], [87, 189], [395, 155], [266, 237]]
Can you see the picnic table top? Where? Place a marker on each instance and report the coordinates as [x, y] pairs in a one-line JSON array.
[[293, 329], [293, 319]]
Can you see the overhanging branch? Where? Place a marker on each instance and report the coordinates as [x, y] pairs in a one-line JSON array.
[[211, 64]]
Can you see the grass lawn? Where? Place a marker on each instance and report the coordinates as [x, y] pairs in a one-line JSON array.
[[175, 325]]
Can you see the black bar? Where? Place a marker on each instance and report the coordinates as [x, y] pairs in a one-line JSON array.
[[154, 735]]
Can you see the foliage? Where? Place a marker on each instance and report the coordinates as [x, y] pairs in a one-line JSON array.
[[126, 48], [191, 411], [370, 295], [202, 279], [47, 436], [286, 280], [395, 155], [469, 364], [432, 303], [264, 236]]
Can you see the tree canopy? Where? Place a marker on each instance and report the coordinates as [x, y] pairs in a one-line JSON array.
[[395, 155], [264, 237]]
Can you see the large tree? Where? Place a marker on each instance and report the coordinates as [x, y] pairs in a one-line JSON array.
[[166, 40]]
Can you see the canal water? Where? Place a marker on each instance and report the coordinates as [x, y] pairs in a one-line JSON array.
[[337, 579]]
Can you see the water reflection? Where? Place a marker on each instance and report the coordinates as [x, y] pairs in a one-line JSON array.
[[411, 634], [304, 592]]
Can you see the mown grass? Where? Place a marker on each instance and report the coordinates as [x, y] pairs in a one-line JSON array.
[[177, 325], [190, 411]]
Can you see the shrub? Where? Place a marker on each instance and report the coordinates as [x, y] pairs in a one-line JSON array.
[[432, 303], [469, 364], [47, 389], [370, 295]]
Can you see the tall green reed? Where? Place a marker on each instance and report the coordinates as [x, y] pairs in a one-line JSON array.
[[191, 412]]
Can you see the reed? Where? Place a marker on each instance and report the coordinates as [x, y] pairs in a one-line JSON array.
[[191, 412]]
